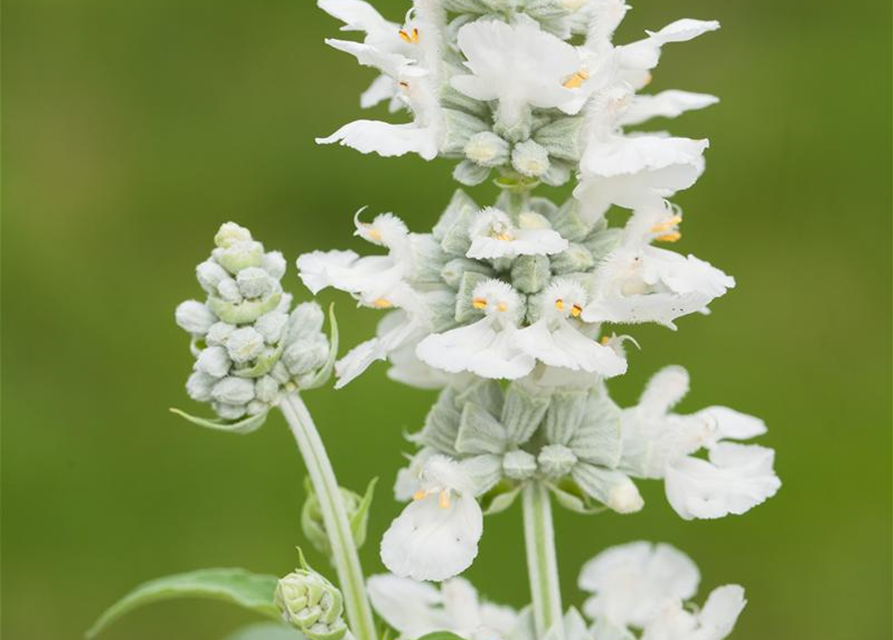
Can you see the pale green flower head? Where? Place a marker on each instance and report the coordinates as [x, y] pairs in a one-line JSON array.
[[311, 604]]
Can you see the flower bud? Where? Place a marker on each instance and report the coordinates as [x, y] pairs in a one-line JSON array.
[[254, 282], [306, 354], [530, 159], [199, 385], [487, 149], [214, 361], [240, 255], [306, 320], [556, 460], [311, 604], [228, 290], [244, 345], [194, 317], [209, 274], [274, 263], [230, 233], [235, 391], [229, 411], [219, 333], [266, 389], [271, 326], [519, 465]]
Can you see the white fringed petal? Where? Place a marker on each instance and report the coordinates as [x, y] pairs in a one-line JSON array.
[[735, 479], [667, 104], [411, 607], [564, 346], [630, 581], [714, 622], [479, 348], [385, 139]]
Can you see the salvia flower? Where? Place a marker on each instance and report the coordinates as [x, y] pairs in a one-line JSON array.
[[659, 444], [415, 609], [640, 590], [250, 345]]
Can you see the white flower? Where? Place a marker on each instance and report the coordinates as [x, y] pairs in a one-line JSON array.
[[637, 172], [493, 235], [488, 347], [415, 609], [736, 478], [640, 283], [556, 338], [660, 444], [408, 59], [714, 621], [436, 536], [518, 65], [630, 581]]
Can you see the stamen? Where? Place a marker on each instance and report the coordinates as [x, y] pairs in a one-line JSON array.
[[502, 306], [576, 80], [479, 303], [410, 38], [576, 310], [420, 495], [374, 233], [443, 500], [666, 224], [505, 236], [605, 340], [673, 236], [382, 303], [559, 304]]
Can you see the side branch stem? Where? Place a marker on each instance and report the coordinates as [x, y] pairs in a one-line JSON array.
[[344, 551], [542, 563]]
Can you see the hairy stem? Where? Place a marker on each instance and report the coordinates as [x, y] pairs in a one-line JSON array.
[[344, 551], [542, 564]]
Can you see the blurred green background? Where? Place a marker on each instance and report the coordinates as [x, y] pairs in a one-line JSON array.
[[132, 129]]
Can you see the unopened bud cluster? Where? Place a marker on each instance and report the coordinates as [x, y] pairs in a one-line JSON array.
[[249, 343], [311, 604]]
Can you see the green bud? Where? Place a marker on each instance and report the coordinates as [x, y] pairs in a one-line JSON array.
[[231, 233], [530, 159], [530, 274], [311, 604], [240, 255], [556, 460], [558, 174], [519, 465], [487, 149], [244, 312], [453, 270]]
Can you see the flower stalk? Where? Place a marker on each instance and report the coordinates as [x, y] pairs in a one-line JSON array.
[[542, 563], [344, 551]]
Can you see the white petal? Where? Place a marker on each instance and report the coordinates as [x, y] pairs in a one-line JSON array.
[[410, 607], [385, 139], [460, 602], [630, 581], [391, 64], [320, 269], [729, 424], [479, 349], [358, 359], [720, 612], [427, 542], [664, 390], [684, 30], [735, 479], [634, 154], [356, 15], [381, 89], [566, 347], [667, 104]]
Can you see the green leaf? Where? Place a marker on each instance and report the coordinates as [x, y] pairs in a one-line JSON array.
[[360, 518], [325, 373], [569, 495], [266, 631], [243, 426], [238, 586]]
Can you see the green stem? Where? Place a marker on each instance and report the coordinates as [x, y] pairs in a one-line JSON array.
[[344, 551], [542, 564]]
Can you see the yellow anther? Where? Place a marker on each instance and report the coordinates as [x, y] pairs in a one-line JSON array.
[[576, 310], [382, 303], [647, 80], [673, 236], [373, 233], [419, 495], [605, 340], [443, 500], [479, 303], [410, 37], [576, 80], [502, 306], [559, 304], [666, 224], [505, 236]]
